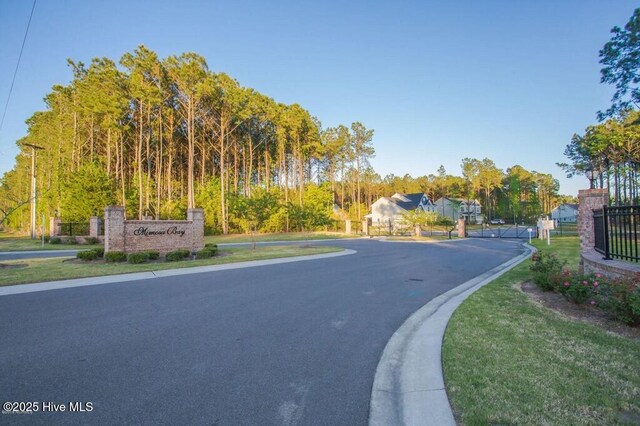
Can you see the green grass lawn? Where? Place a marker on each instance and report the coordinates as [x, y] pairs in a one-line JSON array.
[[13, 243], [48, 269], [282, 236], [507, 360]]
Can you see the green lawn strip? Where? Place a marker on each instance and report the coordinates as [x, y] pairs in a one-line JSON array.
[[507, 360], [285, 236], [27, 244], [48, 269], [10, 242]]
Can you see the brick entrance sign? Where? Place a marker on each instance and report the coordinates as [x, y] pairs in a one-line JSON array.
[[132, 236]]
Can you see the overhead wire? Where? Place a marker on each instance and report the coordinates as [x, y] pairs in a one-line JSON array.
[[15, 73]]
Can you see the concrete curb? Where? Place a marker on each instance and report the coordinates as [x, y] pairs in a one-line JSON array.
[[107, 279], [408, 388]]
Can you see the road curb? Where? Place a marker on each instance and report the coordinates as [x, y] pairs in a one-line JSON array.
[[107, 279], [408, 388]]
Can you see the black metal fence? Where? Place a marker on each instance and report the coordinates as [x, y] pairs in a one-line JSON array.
[[72, 229], [616, 232], [79, 229]]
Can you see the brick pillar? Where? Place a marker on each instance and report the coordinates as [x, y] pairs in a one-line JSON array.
[[589, 200], [54, 226], [94, 225], [197, 217], [114, 229], [418, 231], [365, 227], [462, 228], [347, 227]]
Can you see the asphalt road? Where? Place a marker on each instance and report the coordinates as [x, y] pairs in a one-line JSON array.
[[295, 343]]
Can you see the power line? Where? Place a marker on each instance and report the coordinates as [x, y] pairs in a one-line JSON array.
[[17, 65]]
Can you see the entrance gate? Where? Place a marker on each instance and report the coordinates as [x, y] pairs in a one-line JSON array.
[[501, 231]]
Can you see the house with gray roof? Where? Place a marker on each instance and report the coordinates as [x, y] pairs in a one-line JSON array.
[[388, 211], [455, 208], [565, 212]]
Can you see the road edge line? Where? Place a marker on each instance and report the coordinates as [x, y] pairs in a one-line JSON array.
[[408, 386]]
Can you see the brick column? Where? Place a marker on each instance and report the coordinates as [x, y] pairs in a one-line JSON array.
[[347, 227], [418, 231], [54, 226], [93, 226], [462, 228], [197, 217], [114, 229], [589, 200]]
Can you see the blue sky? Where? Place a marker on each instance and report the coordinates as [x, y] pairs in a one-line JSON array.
[[437, 80]]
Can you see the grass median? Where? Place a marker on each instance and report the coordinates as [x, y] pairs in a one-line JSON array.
[[38, 270], [27, 244], [281, 236], [508, 360], [13, 242]]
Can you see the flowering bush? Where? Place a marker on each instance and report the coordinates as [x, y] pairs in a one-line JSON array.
[[545, 267], [621, 298], [580, 288]]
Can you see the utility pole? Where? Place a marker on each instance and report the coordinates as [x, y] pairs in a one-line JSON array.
[[33, 187]]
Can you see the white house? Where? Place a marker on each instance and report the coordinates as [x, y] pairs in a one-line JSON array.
[[455, 208], [565, 213], [388, 211]]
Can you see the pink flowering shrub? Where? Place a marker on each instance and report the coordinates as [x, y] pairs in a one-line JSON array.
[[621, 298], [545, 267], [580, 288]]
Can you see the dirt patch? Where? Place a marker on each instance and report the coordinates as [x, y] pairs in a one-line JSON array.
[[585, 313], [4, 266]]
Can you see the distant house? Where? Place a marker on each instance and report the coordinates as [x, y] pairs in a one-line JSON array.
[[388, 211], [455, 208], [565, 213]]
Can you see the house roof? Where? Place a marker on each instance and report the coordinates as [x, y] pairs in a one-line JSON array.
[[412, 203], [563, 205], [458, 200]]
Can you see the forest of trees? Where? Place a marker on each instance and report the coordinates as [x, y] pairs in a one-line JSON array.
[[608, 153], [159, 136]]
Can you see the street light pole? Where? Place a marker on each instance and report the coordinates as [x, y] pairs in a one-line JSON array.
[[33, 188]]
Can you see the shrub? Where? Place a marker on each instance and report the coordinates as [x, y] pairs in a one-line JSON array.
[[115, 256], [71, 240], [136, 258], [213, 248], [152, 254], [87, 255], [176, 255], [91, 240], [55, 240], [545, 267], [205, 253], [99, 251], [579, 288], [621, 298]]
